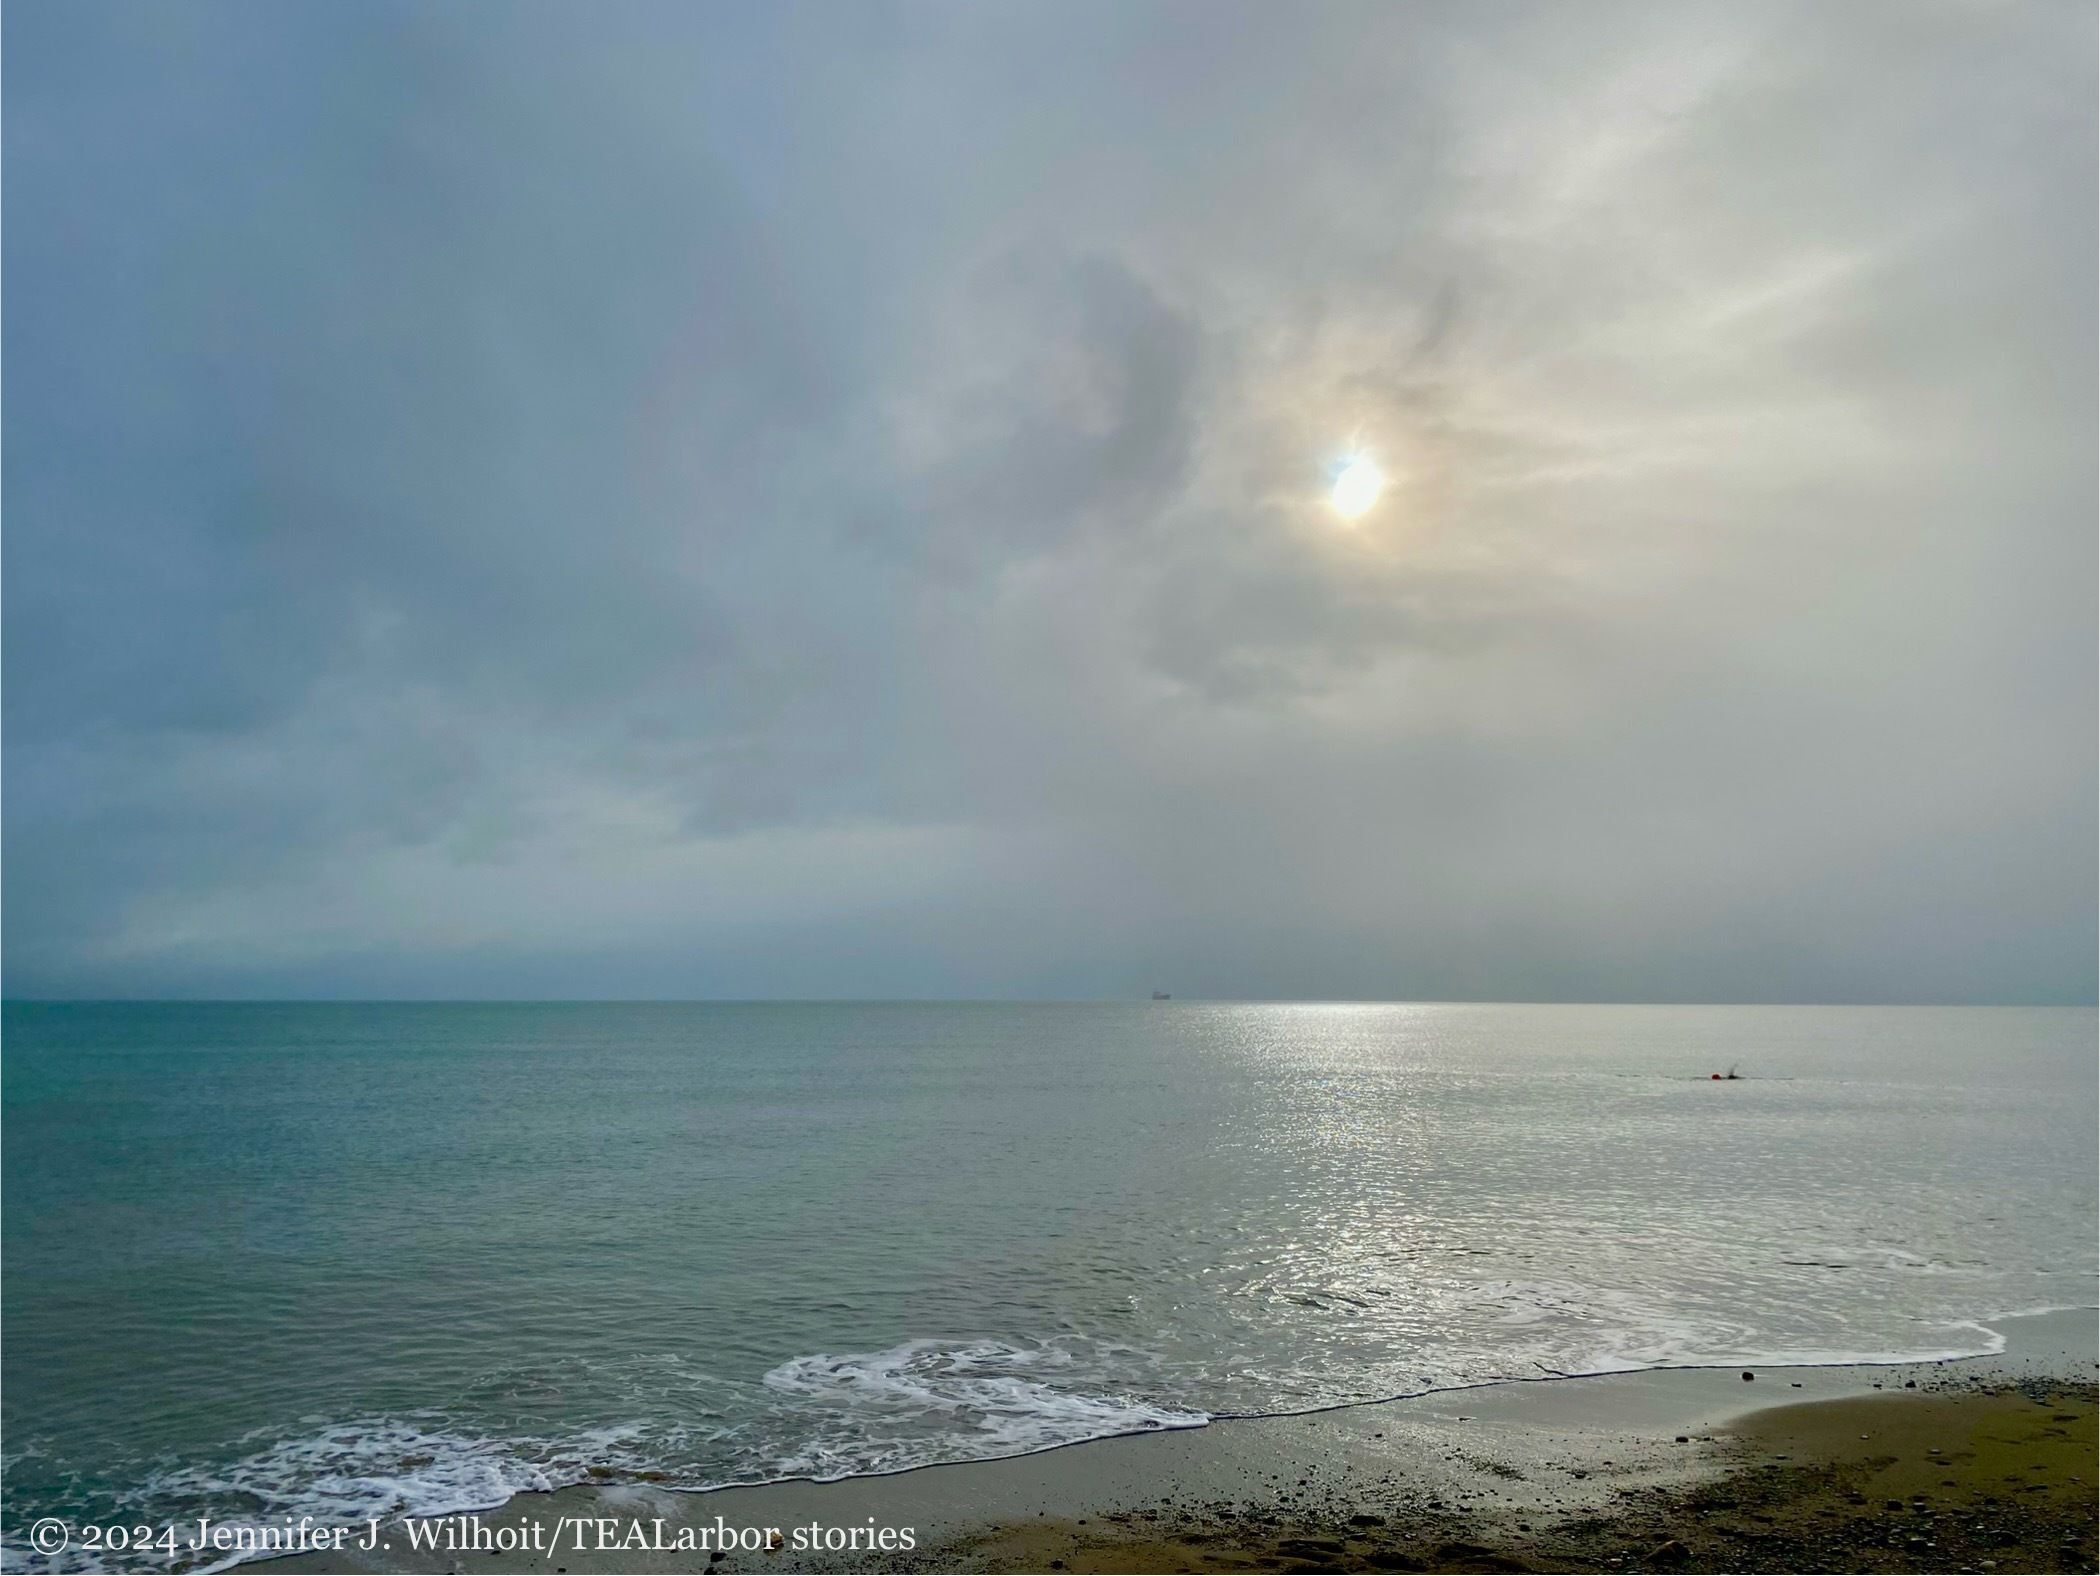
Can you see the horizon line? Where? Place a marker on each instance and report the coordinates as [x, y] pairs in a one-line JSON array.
[[1168, 1000]]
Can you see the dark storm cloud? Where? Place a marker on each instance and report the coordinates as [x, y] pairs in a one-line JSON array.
[[664, 500]]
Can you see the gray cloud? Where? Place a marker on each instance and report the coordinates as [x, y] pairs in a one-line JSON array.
[[663, 500]]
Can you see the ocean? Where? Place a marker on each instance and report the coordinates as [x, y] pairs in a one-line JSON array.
[[368, 1259]]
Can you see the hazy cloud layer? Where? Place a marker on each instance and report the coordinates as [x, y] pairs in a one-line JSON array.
[[830, 500]]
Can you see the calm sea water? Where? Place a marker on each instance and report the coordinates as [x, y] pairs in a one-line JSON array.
[[367, 1259]]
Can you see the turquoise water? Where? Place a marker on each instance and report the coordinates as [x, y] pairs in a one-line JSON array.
[[366, 1259]]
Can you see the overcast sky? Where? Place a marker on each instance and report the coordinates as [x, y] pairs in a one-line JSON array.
[[619, 500]]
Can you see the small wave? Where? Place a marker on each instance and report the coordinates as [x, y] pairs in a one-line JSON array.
[[346, 1474], [920, 1402]]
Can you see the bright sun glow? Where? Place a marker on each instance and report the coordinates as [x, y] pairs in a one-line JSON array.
[[1357, 488]]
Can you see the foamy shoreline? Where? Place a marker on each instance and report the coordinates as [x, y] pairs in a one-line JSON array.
[[1491, 1450]]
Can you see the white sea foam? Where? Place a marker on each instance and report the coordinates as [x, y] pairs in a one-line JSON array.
[[346, 1474], [917, 1404], [927, 1401]]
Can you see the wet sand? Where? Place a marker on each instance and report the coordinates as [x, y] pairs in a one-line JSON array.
[[1976, 1464]]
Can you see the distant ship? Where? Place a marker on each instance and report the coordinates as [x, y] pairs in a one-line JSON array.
[[1160, 995]]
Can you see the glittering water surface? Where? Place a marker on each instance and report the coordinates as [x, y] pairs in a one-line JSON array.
[[364, 1259]]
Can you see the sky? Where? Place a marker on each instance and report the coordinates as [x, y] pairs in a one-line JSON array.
[[833, 500]]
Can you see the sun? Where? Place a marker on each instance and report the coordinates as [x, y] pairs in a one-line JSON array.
[[1357, 488]]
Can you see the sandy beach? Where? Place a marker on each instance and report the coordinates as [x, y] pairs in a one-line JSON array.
[[1971, 1464]]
